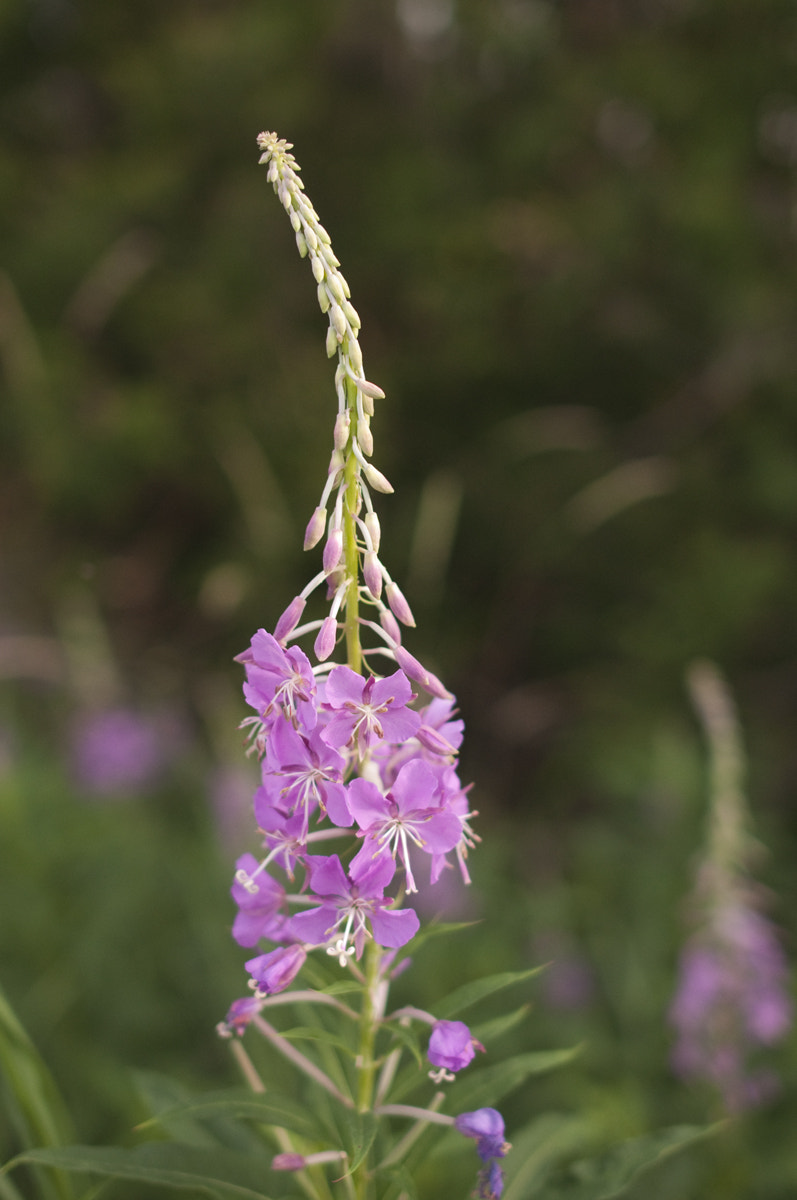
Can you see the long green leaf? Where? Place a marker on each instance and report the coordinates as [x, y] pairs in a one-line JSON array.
[[270, 1108], [487, 1086], [457, 1001], [216, 1172], [609, 1175], [40, 1112]]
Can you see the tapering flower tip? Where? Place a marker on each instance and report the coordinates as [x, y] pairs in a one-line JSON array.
[[275, 971], [398, 604], [418, 672], [377, 480], [289, 619], [451, 1045], [342, 428], [239, 1016], [323, 304], [433, 741], [370, 389], [372, 573], [486, 1125], [288, 1162], [391, 628], [332, 550], [325, 642], [315, 528], [364, 436], [374, 530], [332, 338]]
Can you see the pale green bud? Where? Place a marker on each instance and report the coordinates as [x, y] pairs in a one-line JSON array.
[[296, 221], [352, 315], [301, 244], [323, 298], [370, 389], [317, 268], [356, 358], [311, 239], [322, 233], [335, 289], [342, 427], [338, 320], [332, 342], [368, 404]]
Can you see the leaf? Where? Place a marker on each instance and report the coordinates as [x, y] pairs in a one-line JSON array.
[[433, 930], [486, 1086], [269, 1108], [609, 1175], [470, 993], [540, 1145], [408, 1039], [490, 1031], [216, 1172], [317, 1034], [36, 1105], [361, 1128]]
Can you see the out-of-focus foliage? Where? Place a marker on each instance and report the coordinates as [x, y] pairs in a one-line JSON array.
[[569, 230]]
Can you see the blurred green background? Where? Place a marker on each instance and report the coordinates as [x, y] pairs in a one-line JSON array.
[[570, 229]]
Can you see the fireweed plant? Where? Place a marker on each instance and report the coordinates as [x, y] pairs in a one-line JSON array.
[[360, 806], [732, 998], [360, 810]]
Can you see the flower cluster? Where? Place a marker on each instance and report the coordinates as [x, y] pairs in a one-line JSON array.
[[349, 755]]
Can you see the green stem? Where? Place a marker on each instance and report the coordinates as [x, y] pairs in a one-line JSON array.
[[354, 655]]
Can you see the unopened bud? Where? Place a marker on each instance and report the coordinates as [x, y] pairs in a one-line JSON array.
[[337, 320], [336, 462], [390, 626], [325, 642], [296, 221], [364, 436], [333, 550], [315, 528], [417, 672], [342, 427], [288, 1162], [352, 316], [332, 342], [289, 619], [376, 479], [434, 741], [374, 529], [323, 236], [368, 405], [301, 244], [335, 288], [370, 389], [323, 298], [311, 239], [317, 267], [356, 358], [372, 574], [400, 607]]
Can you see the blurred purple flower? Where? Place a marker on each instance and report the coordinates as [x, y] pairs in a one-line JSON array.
[[731, 999], [117, 751], [451, 1045]]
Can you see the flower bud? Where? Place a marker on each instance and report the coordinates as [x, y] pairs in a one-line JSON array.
[[338, 321], [390, 626], [364, 436], [376, 479], [342, 427], [374, 529], [301, 244], [296, 221], [370, 389], [451, 1045], [332, 342], [400, 607], [317, 267], [325, 642], [289, 619], [332, 550], [315, 528], [352, 316], [372, 573], [311, 239], [273, 972], [356, 358], [323, 299], [334, 287]]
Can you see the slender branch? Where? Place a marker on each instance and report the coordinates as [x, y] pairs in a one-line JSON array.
[[298, 1059]]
